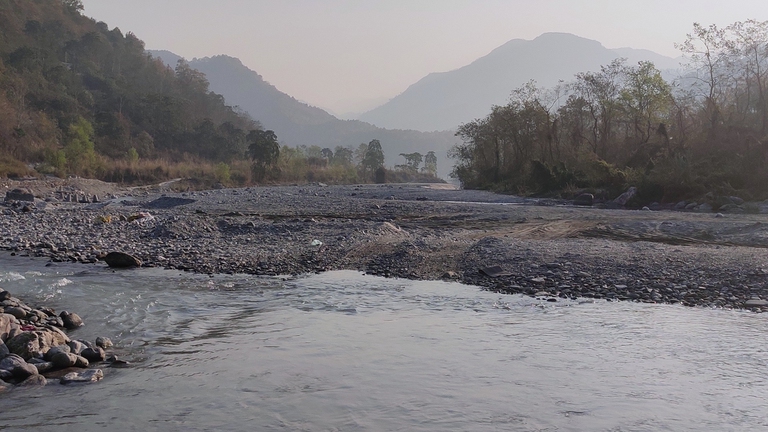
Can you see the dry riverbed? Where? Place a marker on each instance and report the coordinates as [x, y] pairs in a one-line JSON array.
[[502, 243]]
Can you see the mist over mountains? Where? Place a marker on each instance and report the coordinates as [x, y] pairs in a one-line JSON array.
[[423, 117], [443, 100], [297, 123]]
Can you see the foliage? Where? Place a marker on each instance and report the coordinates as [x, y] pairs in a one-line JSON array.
[[625, 126]]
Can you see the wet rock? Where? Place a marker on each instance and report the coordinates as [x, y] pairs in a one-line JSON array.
[[35, 380], [16, 311], [116, 362], [35, 343], [17, 367], [494, 271], [76, 347], [121, 260], [9, 326], [103, 342], [87, 376], [81, 362], [63, 360], [4, 295], [71, 320], [95, 354], [56, 350], [4, 351], [42, 366]]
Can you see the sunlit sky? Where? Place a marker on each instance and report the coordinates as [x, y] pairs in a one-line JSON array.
[[351, 55]]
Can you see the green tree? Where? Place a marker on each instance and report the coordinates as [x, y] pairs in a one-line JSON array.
[[264, 151], [412, 160], [80, 151], [374, 157], [430, 163]]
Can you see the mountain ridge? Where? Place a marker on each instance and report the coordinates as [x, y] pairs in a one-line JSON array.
[[444, 100]]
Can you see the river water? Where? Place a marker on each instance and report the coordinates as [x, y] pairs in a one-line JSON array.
[[341, 351]]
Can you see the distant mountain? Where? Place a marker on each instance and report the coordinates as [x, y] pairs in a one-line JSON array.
[[297, 123], [442, 101]]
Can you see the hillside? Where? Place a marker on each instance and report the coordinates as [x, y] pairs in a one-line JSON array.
[[78, 96], [442, 101], [297, 123]]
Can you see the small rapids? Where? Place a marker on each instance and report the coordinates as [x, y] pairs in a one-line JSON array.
[[345, 351]]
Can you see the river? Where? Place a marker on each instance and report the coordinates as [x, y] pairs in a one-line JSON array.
[[343, 351]]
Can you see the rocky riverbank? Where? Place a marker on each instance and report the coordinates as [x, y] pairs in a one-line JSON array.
[[507, 244], [35, 347]]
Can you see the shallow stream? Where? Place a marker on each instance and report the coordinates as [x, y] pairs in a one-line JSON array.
[[343, 351]]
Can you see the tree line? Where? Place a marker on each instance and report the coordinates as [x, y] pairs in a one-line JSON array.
[[624, 125]]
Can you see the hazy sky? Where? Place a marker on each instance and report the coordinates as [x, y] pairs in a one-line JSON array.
[[345, 55]]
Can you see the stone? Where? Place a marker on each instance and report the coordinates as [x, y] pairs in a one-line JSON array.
[[81, 362], [16, 311], [42, 367], [35, 343], [17, 367], [755, 303], [62, 360], [681, 205], [705, 207], [5, 295], [9, 326], [55, 350], [624, 198], [19, 195], [71, 320], [449, 275], [76, 346], [585, 199], [4, 351], [103, 342], [121, 260], [95, 354], [494, 271], [35, 380], [87, 376]]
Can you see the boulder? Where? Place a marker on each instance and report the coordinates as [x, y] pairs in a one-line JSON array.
[[103, 342], [62, 360], [95, 354], [56, 350], [9, 326], [87, 376], [35, 343], [585, 199], [756, 303], [17, 367], [19, 195], [71, 320], [4, 351], [16, 311], [121, 260], [76, 346], [624, 198], [35, 380]]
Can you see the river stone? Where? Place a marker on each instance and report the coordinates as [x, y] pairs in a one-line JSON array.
[[81, 362], [5, 295], [624, 198], [76, 346], [62, 360], [35, 380], [121, 260], [4, 351], [17, 366], [71, 320], [35, 343], [55, 350], [42, 367], [95, 354], [756, 303], [16, 311], [87, 376], [103, 342], [9, 326], [4, 387]]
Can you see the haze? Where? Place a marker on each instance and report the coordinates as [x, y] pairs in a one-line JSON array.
[[349, 56]]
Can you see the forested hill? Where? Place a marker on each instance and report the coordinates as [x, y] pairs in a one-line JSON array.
[[299, 124], [77, 94]]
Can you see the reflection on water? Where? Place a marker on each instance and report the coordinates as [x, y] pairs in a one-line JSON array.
[[342, 351]]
